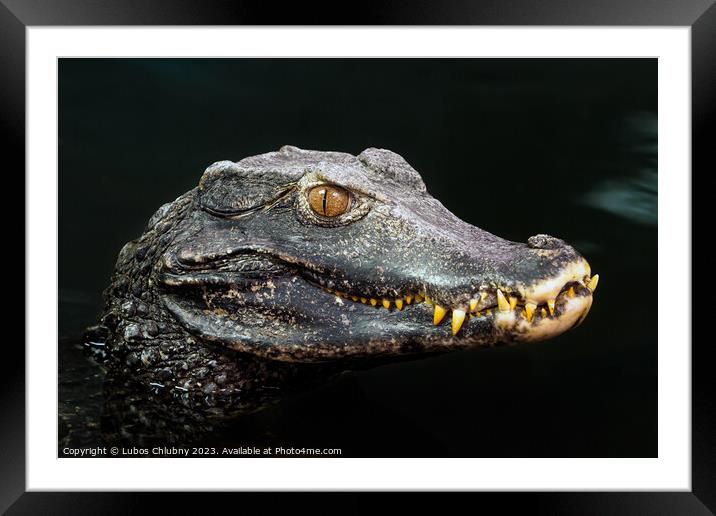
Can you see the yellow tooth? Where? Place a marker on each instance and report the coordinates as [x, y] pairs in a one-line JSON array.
[[550, 305], [399, 304], [408, 299], [458, 317], [543, 313], [488, 311], [373, 301], [364, 300], [418, 298], [483, 296], [473, 305], [439, 314], [427, 300], [530, 310], [354, 298], [592, 285], [570, 292], [513, 302], [502, 303], [478, 314], [386, 303]]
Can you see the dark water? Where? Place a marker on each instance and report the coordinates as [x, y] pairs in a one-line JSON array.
[[516, 147]]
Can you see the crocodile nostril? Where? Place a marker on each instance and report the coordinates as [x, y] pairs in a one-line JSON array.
[[545, 242]]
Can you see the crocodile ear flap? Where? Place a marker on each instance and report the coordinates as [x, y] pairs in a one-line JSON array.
[[226, 188]]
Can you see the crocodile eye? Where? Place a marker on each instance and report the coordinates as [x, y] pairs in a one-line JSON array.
[[329, 200]]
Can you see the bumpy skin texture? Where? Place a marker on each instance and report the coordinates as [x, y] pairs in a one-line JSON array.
[[149, 350], [238, 288]]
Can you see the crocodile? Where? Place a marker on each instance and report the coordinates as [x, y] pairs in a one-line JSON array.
[[285, 267]]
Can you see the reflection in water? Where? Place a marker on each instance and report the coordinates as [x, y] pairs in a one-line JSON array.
[[633, 197], [98, 407], [80, 395]]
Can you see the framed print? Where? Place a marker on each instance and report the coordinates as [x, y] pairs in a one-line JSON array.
[[436, 253]]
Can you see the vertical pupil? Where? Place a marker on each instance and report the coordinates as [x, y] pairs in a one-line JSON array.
[[328, 201]]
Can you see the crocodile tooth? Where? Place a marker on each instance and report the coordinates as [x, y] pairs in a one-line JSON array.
[[427, 300], [483, 296], [513, 302], [386, 303], [502, 303], [439, 314], [399, 304], [458, 317], [592, 285], [473, 305], [478, 314], [408, 299], [364, 300], [570, 292], [354, 298], [373, 301], [530, 310], [543, 313], [550, 305], [418, 298], [488, 311]]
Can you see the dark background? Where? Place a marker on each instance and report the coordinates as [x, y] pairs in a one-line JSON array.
[[517, 147]]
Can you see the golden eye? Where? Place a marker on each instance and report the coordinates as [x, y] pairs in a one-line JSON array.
[[329, 200]]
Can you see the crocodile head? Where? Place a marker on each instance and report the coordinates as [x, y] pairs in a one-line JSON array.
[[309, 256]]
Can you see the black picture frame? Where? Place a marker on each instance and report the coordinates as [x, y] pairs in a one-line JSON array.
[[700, 15]]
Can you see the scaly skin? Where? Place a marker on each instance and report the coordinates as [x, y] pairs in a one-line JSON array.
[[238, 290]]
